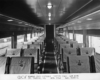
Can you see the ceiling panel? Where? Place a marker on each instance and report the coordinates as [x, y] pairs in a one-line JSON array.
[[79, 9], [36, 11], [91, 21], [18, 9]]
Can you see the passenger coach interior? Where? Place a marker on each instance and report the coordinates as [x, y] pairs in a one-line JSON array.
[[49, 36]]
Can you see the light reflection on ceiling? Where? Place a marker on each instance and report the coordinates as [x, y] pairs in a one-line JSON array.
[[32, 4], [57, 8]]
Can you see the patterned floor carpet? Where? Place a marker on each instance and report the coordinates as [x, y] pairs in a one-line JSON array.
[[50, 63]]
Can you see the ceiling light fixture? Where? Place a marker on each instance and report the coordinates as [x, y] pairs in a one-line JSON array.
[[26, 24], [78, 21], [10, 20], [49, 19], [49, 23], [49, 5], [49, 14], [20, 22], [89, 19], [73, 23]]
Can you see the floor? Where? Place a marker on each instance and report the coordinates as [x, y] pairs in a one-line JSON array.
[[50, 65]]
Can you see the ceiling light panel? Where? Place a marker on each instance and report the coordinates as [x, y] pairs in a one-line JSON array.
[[49, 19], [10, 20], [49, 14], [49, 5], [78, 21], [89, 19]]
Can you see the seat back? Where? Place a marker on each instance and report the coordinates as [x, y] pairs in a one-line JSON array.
[[78, 64], [24, 46], [87, 51], [3, 61], [21, 65], [97, 62], [31, 53], [13, 53]]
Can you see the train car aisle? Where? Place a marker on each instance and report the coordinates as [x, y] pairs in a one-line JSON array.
[[50, 65]]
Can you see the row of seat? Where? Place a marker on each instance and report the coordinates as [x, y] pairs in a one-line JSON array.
[[74, 57], [22, 53], [16, 65], [22, 61], [20, 44]]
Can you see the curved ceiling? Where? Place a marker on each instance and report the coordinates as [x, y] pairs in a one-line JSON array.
[[37, 11]]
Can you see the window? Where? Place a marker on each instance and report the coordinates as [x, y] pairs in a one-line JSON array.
[[67, 35], [20, 38], [4, 40], [94, 42], [71, 35], [28, 36], [5, 43], [79, 38]]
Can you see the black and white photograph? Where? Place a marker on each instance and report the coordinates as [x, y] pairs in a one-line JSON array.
[[49, 39]]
